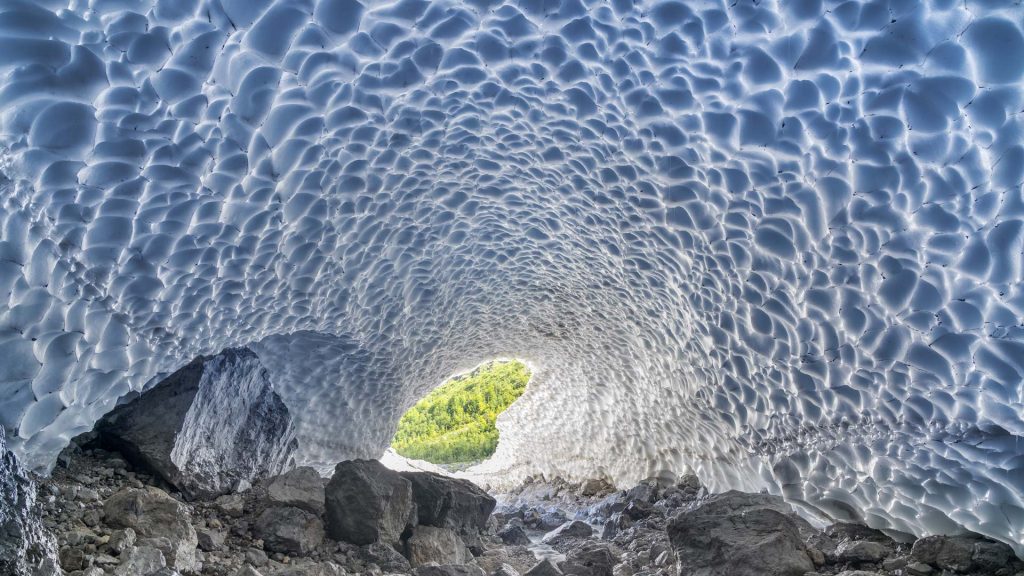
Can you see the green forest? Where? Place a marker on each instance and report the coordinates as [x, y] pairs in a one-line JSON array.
[[455, 422]]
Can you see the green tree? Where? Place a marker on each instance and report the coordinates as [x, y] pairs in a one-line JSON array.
[[455, 422]]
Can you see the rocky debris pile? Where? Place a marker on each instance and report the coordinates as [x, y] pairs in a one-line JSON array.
[[112, 519], [660, 528], [26, 547], [213, 425]]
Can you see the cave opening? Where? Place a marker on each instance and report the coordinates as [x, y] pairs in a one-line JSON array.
[[454, 426]]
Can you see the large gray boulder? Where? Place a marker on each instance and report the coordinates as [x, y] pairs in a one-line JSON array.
[[433, 544], [963, 553], [738, 534], [25, 545], [447, 502], [289, 530], [302, 488], [367, 502], [159, 521], [204, 428]]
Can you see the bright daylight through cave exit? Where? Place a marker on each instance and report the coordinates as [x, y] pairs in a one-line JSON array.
[[766, 255], [455, 425]]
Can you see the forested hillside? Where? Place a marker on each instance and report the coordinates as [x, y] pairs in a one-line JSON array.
[[455, 422]]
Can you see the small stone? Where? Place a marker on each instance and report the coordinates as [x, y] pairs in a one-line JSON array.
[[210, 540], [72, 559], [141, 561], [230, 504], [544, 568], [121, 540], [256, 557], [514, 535], [91, 517], [573, 529], [919, 569]]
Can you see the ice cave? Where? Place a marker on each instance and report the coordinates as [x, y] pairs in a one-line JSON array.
[[775, 244]]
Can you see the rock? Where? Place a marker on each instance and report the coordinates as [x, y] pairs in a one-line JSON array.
[[302, 488], [26, 547], [449, 570], [862, 552], [569, 530], [289, 530], [595, 486], [962, 553], [858, 573], [919, 569], [366, 503], [737, 534], [590, 559], [157, 518], [384, 556], [544, 568], [841, 531], [141, 561], [121, 540], [247, 571], [513, 534], [71, 559], [256, 557], [312, 569], [210, 540], [230, 504], [212, 423], [505, 570], [433, 544], [447, 502]]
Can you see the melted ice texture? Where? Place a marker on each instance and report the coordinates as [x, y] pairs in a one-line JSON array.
[[776, 242]]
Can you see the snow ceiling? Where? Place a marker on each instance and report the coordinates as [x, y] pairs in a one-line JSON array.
[[779, 242]]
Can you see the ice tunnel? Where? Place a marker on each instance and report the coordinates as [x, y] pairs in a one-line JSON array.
[[777, 242]]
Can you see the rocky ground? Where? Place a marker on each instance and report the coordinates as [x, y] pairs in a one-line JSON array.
[[110, 518]]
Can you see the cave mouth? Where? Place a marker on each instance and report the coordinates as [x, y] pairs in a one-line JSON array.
[[455, 425]]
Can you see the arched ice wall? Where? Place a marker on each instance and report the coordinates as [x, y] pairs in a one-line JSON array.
[[779, 242]]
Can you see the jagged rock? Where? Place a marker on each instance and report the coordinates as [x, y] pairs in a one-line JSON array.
[[302, 488], [121, 540], [231, 504], [366, 503], [595, 486], [448, 570], [289, 530], [569, 530], [513, 534], [544, 568], [247, 571], [735, 534], [210, 540], [447, 502], [385, 556], [544, 519], [432, 544], [590, 559], [158, 520], [207, 426], [312, 569], [26, 547], [962, 553], [71, 559], [862, 551], [141, 561], [518, 557], [858, 573], [919, 569], [505, 570]]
